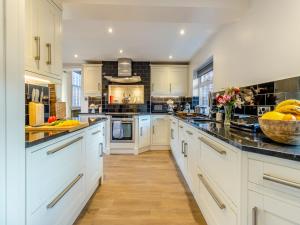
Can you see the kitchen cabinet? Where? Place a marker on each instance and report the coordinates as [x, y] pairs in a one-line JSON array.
[[144, 132], [266, 210], [61, 173], [169, 80], [160, 139], [43, 48], [174, 143], [92, 79]]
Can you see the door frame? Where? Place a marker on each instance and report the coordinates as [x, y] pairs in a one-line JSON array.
[[12, 135]]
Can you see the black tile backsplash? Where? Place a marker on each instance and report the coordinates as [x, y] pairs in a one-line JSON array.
[[266, 95], [28, 98], [110, 68], [178, 101]]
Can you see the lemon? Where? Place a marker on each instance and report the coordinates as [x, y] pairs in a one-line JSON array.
[[273, 116]]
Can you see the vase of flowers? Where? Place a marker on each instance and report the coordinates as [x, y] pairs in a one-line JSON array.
[[229, 100]]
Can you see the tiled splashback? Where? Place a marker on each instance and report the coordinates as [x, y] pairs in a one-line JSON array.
[[110, 68], [28, 93], [178, 101], [266, 95]]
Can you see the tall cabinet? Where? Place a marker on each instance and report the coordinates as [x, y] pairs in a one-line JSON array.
[[43, 39]]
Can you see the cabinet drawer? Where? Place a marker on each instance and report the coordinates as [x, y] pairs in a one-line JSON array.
[[63, 207], [94, 135], [214, 207], [49, 168], [222, 165], [274, 176]]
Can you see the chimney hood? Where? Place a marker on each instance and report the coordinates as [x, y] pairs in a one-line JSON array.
[[124, 73]]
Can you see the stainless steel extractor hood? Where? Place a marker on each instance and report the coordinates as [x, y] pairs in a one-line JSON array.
[[124, 73]]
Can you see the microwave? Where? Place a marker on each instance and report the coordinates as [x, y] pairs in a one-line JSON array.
[[159, 108]]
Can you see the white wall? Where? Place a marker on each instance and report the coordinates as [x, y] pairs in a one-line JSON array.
[[263, 46]]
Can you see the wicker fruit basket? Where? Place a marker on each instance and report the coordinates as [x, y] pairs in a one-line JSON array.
[[285, 132]]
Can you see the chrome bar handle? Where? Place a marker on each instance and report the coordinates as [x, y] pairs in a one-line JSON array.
[[180, 127], [189, 132], [141, 131], [96, 132], [153, 130], [53, 151], [211, 192], [182, 147], [49, 61], [185, 154], [254, 215], [172, 134], [101, 149], [64, 192], [279, 180], [38, 48], [215, 147], [170, 88]]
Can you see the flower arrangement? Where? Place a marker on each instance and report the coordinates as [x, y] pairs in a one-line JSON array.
[[229, 100]]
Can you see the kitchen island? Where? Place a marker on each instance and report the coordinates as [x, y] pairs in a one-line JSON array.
[[63, 169]]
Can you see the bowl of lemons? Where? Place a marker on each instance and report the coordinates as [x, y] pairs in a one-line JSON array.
[[283, 124]]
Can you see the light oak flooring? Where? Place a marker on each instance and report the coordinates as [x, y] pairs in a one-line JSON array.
[[142, 190]]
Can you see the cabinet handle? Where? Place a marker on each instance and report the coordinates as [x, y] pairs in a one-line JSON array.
[[281, 181], [51, 152], [180, 127], [152, 87], [49, 62], [96, 132], [101, 149], [254, 216], [213, 146], [189, 132], [99, 88], [211, 192], [172, 134], [182, 147], [64, 192], [153, 130], [185, 154], [174, 123], [170, 88], [144, 119], [141, 131], [38, 48]]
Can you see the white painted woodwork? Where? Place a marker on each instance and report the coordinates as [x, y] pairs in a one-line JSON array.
[[160, 130], [270, 210], [92, 79], [174, 142], [169, 80], [43, 20], [144, 132], [12, 17]]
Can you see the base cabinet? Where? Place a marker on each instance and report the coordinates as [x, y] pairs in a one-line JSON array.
[[144, 132], [160, 126]]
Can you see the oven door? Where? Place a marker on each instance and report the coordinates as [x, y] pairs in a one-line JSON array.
[[122, 130]]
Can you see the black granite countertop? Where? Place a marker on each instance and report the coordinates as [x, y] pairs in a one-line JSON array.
[[33, 138], [246, 141]]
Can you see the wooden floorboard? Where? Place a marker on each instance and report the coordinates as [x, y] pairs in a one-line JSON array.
[[142, 190]]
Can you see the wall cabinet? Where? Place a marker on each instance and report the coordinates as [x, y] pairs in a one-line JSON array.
[[160, 131], [169, 80], [144, 131], [43, 40], [92, 80]]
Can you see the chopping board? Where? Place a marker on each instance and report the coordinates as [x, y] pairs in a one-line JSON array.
[[36, 114], [54, 128]]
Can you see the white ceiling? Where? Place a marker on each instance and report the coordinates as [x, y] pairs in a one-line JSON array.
[[144, 29]]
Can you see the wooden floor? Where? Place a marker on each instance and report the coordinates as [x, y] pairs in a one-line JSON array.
[[142, 190]]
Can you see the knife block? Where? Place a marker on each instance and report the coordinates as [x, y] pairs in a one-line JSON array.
[[36, 114]]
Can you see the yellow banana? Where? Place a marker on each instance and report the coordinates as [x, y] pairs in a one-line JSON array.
[[294, 109], [288, 102]]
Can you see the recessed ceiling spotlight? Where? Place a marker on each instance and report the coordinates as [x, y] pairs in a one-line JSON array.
[[170, 57], [121, 51], [76, 56], [182, 32], [110, 30]]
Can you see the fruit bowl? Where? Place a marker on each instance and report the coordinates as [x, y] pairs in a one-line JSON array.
[[285, 132]]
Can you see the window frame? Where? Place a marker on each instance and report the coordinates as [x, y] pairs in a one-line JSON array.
[[78, 86]]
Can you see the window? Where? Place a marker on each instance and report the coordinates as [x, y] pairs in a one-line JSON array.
[[203, 85], [76, 88]]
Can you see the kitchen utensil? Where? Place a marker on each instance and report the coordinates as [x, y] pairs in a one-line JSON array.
[[42, 96], [285, 132], [37, 95], [33, 95], [36, 114]]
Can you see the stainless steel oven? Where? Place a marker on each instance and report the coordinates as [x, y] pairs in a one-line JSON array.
[[122, 130]]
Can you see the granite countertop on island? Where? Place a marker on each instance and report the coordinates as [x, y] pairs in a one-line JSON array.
[[33, 138], [247, 141]]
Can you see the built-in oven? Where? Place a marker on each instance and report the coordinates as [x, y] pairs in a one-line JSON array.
[[122, 130]]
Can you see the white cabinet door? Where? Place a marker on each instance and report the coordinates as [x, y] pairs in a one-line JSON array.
[[160, 130], [57, 45], [92, 80], [265, 210], [159, 81], [144, 131], [181, 140], [178, 78]]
